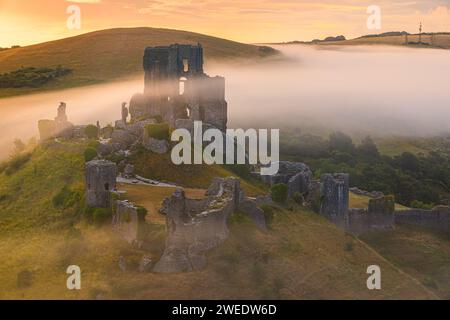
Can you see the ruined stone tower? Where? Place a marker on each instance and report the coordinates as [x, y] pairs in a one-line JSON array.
[[335, 198], [177, 88], [100, 181]]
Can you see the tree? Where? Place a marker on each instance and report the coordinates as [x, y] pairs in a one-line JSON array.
[[368, 148], [341, 142], [91, 131], [409, 162], [90, 154]]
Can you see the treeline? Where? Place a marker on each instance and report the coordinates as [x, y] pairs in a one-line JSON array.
[[421, 180], [31, 77], [12, 47]]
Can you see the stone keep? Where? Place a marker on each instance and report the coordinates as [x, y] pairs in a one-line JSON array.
[[335, 197], [100, 181], [177, 88]]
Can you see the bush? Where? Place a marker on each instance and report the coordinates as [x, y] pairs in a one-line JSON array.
[[416, 204], [279, 192], [158, 131], [298, 198], [66, 198], [269, 213], [91, 131], [31, 77], [90, 154], [101, 216], [142, 213], [16, 163], [158, 118]]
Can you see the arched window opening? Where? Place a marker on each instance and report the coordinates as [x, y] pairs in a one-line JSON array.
[[182, 87], [185, 65]]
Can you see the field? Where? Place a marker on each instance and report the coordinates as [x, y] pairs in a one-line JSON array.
[[114, 54], [302, 256], [362, 202], [440, 41]]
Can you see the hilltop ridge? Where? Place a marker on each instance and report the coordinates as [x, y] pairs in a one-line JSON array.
[[111, 54]]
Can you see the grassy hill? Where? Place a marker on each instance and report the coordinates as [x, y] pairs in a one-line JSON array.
[[439, 41], [113, 54], [302, 256], [421, 253]]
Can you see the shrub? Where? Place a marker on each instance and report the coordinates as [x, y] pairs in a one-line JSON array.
[[241, 170], [269, 213], [158, 118], [16, 163], [90, 154], [142, 213], [316, 203], [298, 198], [279, 192], [91, 131], [66, 198], [158, 131], [31, 77], [101, 216], [416, 204]]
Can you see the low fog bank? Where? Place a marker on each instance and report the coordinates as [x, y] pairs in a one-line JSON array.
[[84, 105], [359, 90]]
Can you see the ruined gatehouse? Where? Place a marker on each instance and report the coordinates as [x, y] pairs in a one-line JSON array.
[[177, 89]]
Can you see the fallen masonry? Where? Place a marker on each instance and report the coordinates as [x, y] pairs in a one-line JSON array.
[[197, 226]]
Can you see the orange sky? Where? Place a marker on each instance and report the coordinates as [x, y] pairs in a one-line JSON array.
[[25, 22]]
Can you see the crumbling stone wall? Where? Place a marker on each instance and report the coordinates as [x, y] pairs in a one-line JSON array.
[[197, 226], [57, 128], [129, 222], [100, 181], [379, 216], [335, 198], [296, 175], [436, 219]]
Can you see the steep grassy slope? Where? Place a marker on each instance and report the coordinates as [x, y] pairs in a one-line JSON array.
[[114, 53], [302, 256], [422, 253]]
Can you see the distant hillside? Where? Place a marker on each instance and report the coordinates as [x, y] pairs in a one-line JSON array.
[[437, 40], [440, 40], [114, 53]]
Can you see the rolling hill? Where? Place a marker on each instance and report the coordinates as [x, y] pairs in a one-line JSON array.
[[440, 40], [111, 54], [437, 40], [302, 256]]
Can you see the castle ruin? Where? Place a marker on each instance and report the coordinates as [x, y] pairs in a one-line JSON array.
[[100, 181], [335, 197], [177, 90]]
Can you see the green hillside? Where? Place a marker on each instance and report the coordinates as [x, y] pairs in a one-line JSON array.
[[302, 256], [113, 54]]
